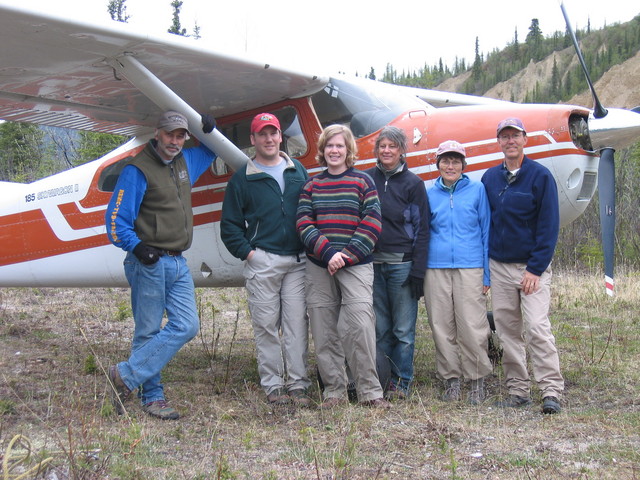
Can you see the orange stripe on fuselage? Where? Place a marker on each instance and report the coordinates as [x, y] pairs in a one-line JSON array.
[[27, 236], [78, 220]]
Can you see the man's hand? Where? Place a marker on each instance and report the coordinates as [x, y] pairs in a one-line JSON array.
[[529, 283], [416, 285], [146, 254], [208, 123]]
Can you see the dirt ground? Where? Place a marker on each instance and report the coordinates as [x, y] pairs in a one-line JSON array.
[[56, 343]]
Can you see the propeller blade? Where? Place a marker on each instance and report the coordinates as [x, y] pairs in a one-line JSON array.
[[606, 195], [598, 110]]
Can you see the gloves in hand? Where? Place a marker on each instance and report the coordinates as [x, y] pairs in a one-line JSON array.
[[416, 285], [208, 123], [146, 254]]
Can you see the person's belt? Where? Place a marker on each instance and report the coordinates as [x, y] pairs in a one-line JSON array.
[[172, 253]]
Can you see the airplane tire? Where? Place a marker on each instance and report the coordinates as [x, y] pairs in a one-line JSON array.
[[494, 349]]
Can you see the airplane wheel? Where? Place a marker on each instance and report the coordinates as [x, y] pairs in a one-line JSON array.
[[492, 324], [494, 349]]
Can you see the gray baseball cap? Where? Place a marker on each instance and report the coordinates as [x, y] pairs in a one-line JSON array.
[[172, 120]]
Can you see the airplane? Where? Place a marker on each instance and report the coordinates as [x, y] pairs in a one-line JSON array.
[[114, 79]]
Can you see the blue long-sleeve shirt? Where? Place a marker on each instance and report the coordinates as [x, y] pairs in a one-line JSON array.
[[130, 190]]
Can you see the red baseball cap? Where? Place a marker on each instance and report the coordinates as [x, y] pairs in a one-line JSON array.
[[264, 120]]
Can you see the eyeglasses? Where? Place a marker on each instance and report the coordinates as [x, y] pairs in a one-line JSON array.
[[454, 162], [506, 138]]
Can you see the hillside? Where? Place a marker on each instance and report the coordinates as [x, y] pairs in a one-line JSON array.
[[618, 87]]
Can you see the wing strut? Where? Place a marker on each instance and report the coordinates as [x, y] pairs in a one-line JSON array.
[[160, 94]]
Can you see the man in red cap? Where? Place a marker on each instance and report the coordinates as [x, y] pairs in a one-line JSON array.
[[259, 226]]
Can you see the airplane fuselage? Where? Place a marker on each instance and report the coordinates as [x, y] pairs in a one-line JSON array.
[[53, 230]]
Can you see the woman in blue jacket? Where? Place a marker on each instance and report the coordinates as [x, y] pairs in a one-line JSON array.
[[457, 277]]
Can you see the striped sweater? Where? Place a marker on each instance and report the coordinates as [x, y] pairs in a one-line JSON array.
[[339, 213]]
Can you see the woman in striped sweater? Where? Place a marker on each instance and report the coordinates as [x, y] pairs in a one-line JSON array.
[[339, 223]]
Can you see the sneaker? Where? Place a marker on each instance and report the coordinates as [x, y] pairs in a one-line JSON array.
[[514, 401], [161, 409], [376, 403], [550, 405], [119, 392], [278, 397], [451, 390], [333, 402], [477, 394], [300, 398]]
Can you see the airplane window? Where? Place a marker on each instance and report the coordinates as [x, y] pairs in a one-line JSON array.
[[109, 176], [293, 141], [363, 105]]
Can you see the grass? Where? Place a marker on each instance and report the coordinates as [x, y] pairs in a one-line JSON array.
[[56, 343]]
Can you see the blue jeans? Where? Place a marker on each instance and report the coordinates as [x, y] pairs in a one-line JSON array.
[[164, 286], [396, 312]]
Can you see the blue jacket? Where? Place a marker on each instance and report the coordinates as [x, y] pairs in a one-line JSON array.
[[460, 220], [525, 216]]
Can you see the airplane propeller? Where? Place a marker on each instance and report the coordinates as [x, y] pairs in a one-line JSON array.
[[598, 110], [619, 130], [606, 196]]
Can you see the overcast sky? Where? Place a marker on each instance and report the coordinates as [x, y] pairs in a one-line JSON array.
[[351, 36]]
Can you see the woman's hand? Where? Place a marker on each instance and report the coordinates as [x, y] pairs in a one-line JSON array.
[[337, 262]]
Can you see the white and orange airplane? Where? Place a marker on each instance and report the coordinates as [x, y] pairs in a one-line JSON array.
[[113, 79]]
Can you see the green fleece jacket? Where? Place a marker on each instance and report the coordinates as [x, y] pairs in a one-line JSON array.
[[257, 214]]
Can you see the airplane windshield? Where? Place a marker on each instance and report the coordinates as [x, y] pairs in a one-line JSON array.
[[364, 105]]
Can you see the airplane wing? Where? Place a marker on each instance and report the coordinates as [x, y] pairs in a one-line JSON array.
[[55, 72], [438, 99]]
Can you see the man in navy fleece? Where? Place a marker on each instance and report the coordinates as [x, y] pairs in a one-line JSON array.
[[523, 235]]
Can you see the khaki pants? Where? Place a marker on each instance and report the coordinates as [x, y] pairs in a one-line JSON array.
[[458, 317], [275, 287], [343, 326], [522, 323]]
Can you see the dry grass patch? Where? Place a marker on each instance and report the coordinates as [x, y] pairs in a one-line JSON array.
[[56, 343]]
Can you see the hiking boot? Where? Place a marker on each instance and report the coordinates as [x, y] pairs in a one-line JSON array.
[[300, 398], [118, 390], [376, 403], [161, 409], [550, 405], [476, 394], [451, 390], [333, 402], [395, 393], [278, 397], [514, 401]]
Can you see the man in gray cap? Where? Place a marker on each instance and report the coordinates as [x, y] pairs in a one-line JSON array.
[[150, 217], [524, 230]]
